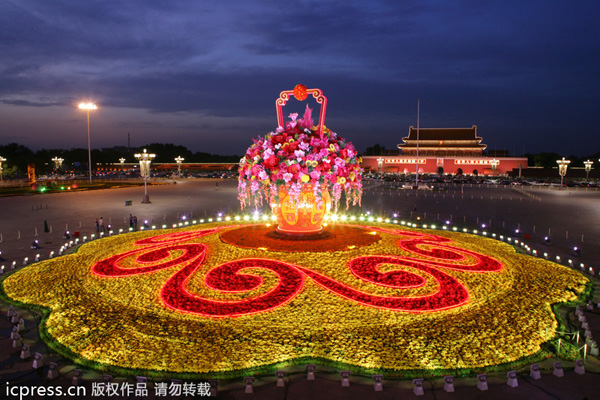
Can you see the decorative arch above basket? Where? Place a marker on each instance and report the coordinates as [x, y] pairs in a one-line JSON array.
[[300, 92]]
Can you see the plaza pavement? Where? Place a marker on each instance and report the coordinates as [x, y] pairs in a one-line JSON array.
[[572, 217]]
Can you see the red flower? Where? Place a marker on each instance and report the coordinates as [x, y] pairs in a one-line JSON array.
[[278, 139], [294, 168], [271, 162], [293, 146]]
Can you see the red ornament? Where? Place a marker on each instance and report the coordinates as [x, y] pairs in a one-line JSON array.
[[300, 92]]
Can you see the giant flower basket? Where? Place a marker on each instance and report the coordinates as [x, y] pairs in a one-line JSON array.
[[300, 169]]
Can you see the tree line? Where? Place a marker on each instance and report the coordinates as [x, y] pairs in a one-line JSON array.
[[18, 157]]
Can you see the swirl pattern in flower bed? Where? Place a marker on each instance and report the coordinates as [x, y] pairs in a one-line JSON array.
[[411, 300], [236, 276]]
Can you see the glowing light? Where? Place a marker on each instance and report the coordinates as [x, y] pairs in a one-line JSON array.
[[87, 106]]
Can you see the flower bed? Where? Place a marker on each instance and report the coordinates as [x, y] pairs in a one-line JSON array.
[[186, 301], [335, 238]]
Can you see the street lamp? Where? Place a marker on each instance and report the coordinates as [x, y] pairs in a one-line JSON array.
[[122, 161], [588, 167], [2, 159], [178, 160], [87, 107], [562, 169], [494, 163], [380, 161], [57, 163], [145, 160]]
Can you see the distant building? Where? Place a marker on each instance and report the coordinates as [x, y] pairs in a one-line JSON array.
[[444, 142], [444, 151]]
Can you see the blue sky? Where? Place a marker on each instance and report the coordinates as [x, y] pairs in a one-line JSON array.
[[206, 74]]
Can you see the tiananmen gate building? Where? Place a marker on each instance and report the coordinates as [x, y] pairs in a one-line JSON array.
[[443, 151]]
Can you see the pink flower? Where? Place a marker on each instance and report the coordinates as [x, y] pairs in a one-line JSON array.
[[267, 153], [304, 146], [307, 122], [287, 177], [294, 168], [295, 189], [315, 142]]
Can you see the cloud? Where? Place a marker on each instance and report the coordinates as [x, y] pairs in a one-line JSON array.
[[501, 65], [30, 103]]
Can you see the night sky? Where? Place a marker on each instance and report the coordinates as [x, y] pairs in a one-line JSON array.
[[206, 74]]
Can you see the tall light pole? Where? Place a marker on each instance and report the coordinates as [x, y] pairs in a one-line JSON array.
[[145, 160], [178, 160], [418, 117], [2, 159], [562, 169], [122, 161], [588, 167], [57, 163], [380, 161], [87, 107], [494, 163]]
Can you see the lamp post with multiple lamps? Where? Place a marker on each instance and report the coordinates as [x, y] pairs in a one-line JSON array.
[[562, 169], [494, 163], [588, 167], [178, 160], [380, 161], [145, 160], [87, 107], [122, 162], [57, 163], [2, 159]]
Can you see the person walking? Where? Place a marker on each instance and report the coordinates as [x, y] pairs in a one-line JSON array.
[[97, 225], [101, 223], [134, 223], [130, 222]]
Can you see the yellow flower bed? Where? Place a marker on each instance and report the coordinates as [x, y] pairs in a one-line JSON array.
[[125, 321]]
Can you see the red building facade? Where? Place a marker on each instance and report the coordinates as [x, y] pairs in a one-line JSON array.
[[443, 151]]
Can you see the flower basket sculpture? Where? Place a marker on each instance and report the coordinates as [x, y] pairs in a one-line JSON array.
[[301, 169]]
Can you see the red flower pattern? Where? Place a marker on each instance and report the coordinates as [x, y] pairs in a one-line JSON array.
[[435, 254]]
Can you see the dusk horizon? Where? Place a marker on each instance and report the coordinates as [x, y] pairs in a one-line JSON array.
[[207, 77]]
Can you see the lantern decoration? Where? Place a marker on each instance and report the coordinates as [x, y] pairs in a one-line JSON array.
[[300, 92]]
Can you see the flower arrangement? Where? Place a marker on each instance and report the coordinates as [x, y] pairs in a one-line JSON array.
[[454, 300], [299, 155]]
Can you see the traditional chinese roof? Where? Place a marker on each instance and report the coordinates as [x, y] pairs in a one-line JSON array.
[[443, 139]]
